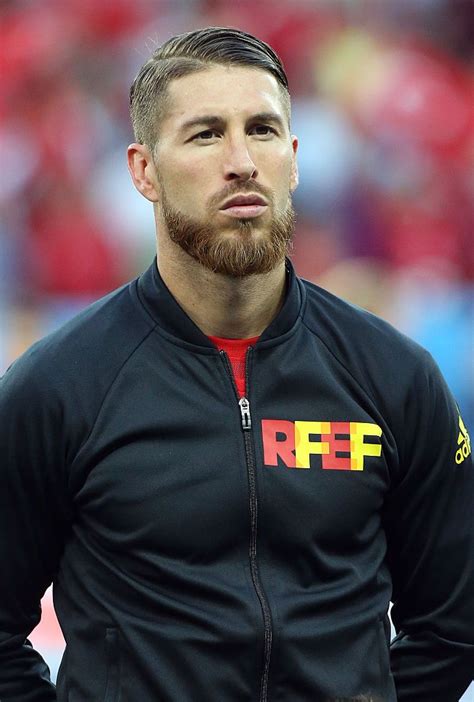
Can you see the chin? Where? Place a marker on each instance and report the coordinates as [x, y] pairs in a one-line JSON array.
[[248, 228]]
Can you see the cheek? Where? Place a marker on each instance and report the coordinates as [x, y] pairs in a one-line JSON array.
[[278, 165], [282, 178], [186, 186]]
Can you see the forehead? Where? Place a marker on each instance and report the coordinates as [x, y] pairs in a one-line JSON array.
[[226, 91]]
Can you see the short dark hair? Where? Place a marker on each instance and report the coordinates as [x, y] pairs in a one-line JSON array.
[[188, 53]]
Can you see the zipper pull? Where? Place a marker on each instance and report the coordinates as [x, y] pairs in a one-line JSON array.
[[244, 405]]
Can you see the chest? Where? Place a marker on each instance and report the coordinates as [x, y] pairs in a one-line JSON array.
[[169, 469]]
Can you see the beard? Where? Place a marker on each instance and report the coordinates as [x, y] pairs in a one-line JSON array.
[[250, 248]]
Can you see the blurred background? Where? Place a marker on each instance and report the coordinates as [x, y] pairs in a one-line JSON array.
[[382, 105]]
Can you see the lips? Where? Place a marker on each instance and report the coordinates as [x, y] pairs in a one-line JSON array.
[[244, 201]]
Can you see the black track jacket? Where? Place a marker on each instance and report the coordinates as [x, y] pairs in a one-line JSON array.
[[203, 549]]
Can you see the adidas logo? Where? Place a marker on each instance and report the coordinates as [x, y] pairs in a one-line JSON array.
[[464, 443]]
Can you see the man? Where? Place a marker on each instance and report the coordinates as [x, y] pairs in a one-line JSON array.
[[226, 472]]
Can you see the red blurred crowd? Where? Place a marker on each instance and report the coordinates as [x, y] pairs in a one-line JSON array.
[[402, 85]]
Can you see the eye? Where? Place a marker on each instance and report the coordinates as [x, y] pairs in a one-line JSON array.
[[262, 130], [206, 135]]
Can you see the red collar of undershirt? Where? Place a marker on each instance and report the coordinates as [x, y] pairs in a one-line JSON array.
[[236, 350]]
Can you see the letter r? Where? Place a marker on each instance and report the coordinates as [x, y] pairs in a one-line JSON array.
[[273, 447]]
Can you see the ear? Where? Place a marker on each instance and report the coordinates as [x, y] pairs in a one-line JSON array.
[[294, 175], [143, 172]]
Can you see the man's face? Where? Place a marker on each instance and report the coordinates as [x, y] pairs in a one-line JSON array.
[[225, 169]]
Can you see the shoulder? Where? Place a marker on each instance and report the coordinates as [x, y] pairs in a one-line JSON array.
[[84, 355], [335, 320], [382, 359]]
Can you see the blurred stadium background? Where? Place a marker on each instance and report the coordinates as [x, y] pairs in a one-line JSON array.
[[383, 106]]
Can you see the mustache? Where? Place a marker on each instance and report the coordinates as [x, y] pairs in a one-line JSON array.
[[240, 188]]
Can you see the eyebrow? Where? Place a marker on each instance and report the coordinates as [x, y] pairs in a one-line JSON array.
[[271, 117], [202, 121], [216, 121]]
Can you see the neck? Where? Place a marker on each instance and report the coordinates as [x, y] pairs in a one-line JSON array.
[[232, 308]]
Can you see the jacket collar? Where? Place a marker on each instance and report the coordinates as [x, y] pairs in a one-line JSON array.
[[170, 317]]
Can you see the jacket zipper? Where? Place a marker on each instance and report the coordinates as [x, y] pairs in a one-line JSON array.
[[246, 424]]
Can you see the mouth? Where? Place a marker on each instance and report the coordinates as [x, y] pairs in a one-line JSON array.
[[243, 206]]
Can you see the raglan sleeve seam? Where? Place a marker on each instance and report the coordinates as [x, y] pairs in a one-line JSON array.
[[110, 386]]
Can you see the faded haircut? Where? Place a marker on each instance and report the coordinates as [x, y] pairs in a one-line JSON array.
[[189, 53]]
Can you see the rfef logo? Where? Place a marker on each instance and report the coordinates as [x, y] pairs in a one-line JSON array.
[[341, 445]]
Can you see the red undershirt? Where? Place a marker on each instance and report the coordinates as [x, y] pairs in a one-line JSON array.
[[236, 350]]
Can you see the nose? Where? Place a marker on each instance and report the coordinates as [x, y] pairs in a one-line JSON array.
[[238, 164]]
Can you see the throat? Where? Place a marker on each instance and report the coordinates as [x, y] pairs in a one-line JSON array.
[[224, 307]]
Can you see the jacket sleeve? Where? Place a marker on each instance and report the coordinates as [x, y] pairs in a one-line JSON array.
[[33, 523], [429, 522]]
